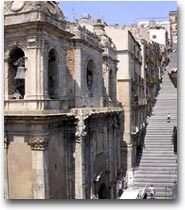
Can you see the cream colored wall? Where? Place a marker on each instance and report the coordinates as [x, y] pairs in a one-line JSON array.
[[160, 35], [119, 36], [19, 169], [124, 97], [56, 167], [123, 66], [83, 97]]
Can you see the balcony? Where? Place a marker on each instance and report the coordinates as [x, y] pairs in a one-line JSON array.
[[31, 105]]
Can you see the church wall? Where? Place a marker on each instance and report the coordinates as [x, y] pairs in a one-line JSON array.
[[84, 97]]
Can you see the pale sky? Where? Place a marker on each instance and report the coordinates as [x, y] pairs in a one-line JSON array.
[[118, 12]]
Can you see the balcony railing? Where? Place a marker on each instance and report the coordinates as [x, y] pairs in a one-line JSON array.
[[22, 105]]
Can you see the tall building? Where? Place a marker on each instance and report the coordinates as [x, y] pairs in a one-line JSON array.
[[173, 26], [131, 92], [62, 132]]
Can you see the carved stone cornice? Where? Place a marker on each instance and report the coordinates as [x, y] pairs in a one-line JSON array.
[[38, 143]]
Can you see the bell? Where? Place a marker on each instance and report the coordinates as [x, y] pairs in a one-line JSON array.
[[20, 73]]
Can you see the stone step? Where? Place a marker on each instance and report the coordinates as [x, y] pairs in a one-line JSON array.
[[154, 159], [157, 163], [159, 180], [158, 166], [159, 146], [160, 137], [159, 153], [154, 142], [157, 173], [165, 184], [156, 176]]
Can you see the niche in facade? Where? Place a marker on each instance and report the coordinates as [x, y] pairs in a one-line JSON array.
[[16, 74], [52, 75], [89, 74]]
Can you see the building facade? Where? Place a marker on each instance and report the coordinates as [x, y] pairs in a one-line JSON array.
[[140, 67], [62, 137], [173, 26], [131, 94]]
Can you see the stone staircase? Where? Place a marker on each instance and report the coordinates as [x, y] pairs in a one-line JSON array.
[[157, 164]]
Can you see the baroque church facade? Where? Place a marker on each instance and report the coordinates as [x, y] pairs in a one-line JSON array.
[[63, 126]]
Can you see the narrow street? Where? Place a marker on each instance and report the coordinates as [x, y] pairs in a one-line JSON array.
[[157, 164]]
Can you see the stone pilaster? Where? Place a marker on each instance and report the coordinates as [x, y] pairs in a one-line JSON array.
[[130, 171], [79, 156], [40, 167], [6, 143], [6, 69]]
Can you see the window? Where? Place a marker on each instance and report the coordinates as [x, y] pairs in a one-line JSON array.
[[154, 36], [52, 75], [89, 75], [16, 71]]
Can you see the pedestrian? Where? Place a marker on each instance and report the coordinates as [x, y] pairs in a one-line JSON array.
[[152, 192], [16, 95], [168, 117]]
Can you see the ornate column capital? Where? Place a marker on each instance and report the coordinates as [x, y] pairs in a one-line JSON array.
[[38, 143]]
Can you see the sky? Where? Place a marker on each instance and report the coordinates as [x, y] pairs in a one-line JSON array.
[[118, 12]]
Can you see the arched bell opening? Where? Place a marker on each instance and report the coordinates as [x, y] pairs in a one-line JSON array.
[[16, 74], [90, 74], [52, 75]]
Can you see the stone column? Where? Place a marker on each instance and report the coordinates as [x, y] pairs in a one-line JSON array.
[[40, 167], [6, 143], [79, 156], [6, 94]]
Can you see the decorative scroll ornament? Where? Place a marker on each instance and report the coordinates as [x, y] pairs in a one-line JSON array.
[[70, 61], [51, 8], [17, 5], [80, 128], [39, 143]]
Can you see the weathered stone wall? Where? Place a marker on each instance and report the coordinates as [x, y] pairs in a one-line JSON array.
[[19, 168], [101, 152], [56, 166], [47, 154], [84, 97], [38, 156]]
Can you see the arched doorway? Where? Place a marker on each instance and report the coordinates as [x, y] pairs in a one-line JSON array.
[[16, 73], [103, 192]]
